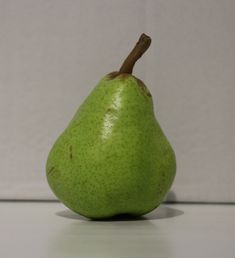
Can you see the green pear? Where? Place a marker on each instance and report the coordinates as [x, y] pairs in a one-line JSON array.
[[113, 158]]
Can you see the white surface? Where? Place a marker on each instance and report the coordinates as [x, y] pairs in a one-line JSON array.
[[54, 52], [49, 230]]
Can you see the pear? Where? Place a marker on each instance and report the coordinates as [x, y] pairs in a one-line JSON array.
[[113, 158]]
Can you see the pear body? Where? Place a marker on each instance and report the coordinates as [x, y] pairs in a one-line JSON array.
[[113, 157]]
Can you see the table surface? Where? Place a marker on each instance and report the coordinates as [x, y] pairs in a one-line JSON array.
[[48, 229]]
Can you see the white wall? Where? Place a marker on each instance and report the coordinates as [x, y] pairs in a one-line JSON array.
[[54, 52]]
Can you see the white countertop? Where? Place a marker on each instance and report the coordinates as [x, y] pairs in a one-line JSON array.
[[48, 229]]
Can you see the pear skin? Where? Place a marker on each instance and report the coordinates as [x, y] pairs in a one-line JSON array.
[[113, 158]]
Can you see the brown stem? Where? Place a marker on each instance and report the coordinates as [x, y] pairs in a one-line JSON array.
[[141, 46]]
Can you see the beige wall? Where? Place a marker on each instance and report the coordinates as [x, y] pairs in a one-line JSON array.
[[54, 52]]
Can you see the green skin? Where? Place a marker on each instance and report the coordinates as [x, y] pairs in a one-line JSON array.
[[113, 157]]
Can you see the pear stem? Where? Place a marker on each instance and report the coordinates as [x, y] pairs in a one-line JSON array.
[[140, 48]]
